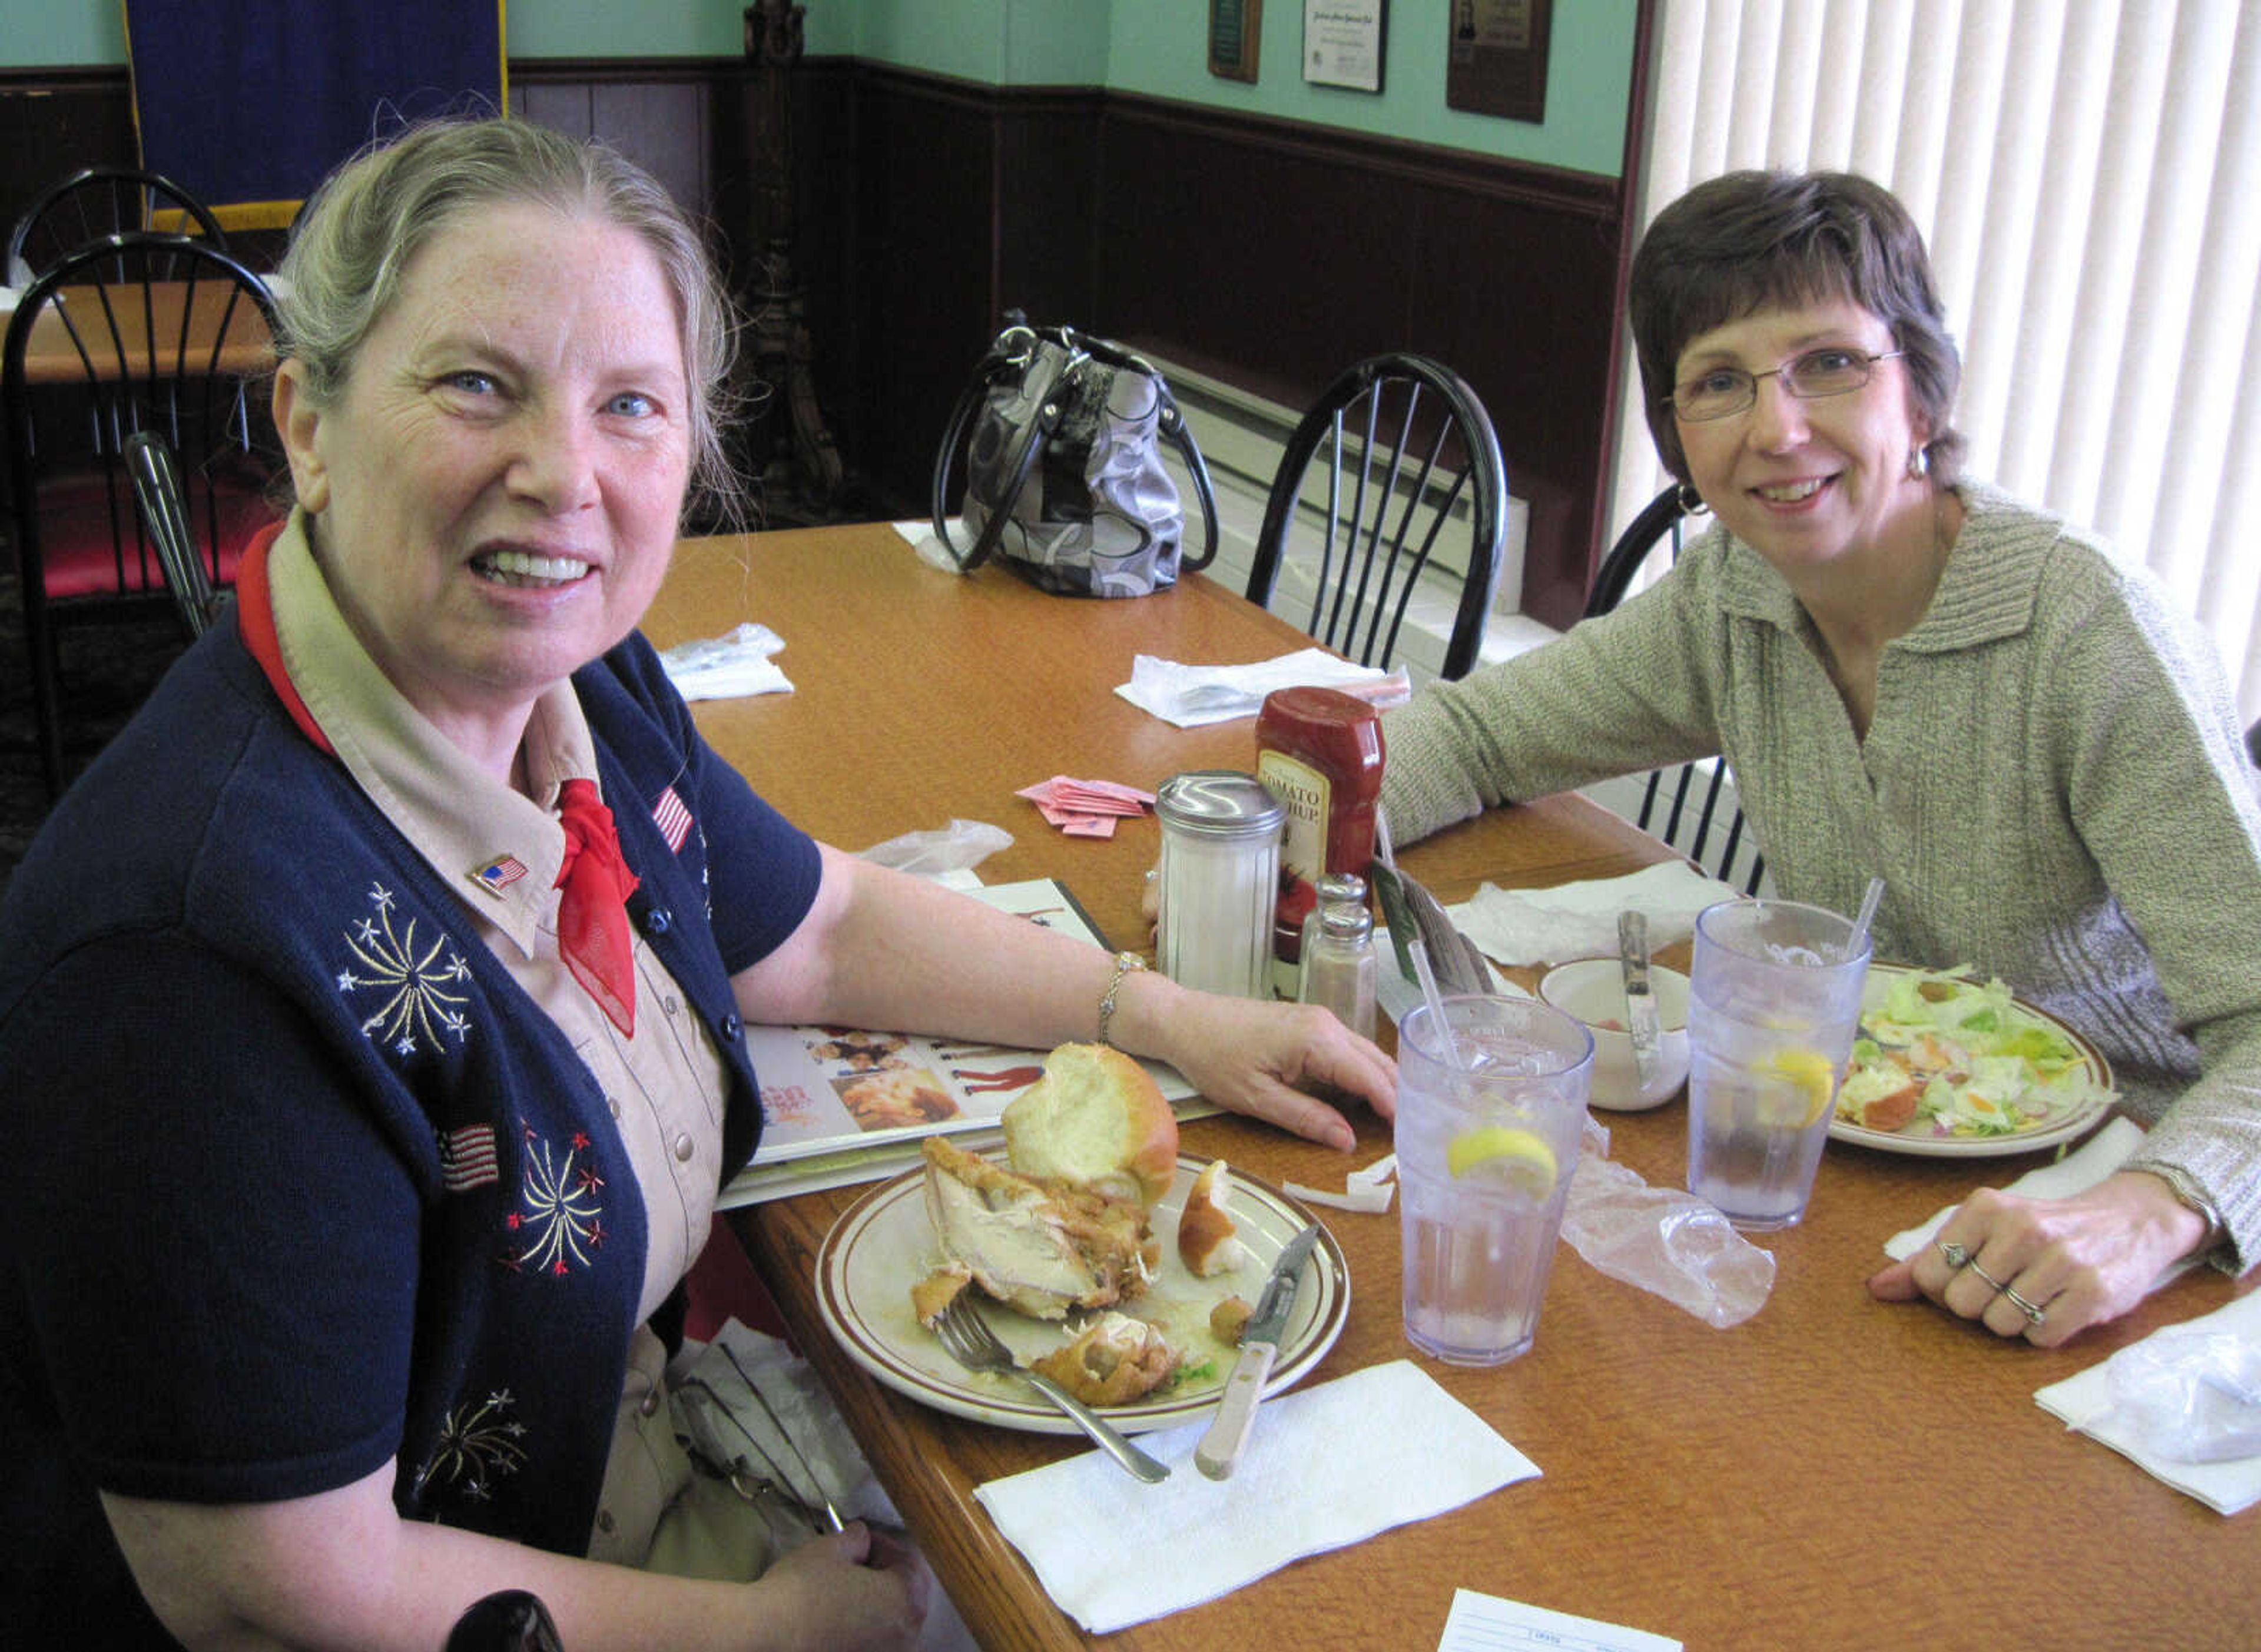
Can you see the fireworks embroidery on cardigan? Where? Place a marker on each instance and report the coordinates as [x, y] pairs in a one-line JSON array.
[[478, 1445], [420, 991], [561, 1223]]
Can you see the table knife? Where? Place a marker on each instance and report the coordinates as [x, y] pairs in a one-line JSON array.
[[1641, 1002], [1218, 1454]]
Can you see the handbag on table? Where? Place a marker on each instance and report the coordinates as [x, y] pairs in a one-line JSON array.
[[1063, 472]]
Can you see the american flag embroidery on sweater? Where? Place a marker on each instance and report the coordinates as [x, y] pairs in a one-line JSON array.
[[467, 1157], [672, 819]]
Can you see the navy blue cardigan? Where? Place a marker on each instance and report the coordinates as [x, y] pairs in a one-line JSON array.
[[301, 1181]]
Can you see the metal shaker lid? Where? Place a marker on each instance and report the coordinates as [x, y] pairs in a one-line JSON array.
[[1218, 803], [1342, 906]]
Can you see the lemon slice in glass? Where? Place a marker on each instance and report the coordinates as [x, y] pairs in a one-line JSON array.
[[1813, 1080], [1506, 1154]]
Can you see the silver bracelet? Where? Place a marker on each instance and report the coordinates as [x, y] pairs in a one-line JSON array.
[[1126, 964]]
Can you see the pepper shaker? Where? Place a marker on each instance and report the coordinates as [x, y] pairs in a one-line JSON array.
[[1338, 967]]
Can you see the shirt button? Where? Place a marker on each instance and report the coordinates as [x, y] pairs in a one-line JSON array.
[[605, 1521], [649, 1403], [614, 1103], [731, 1027], [670, 1005], [658, 920], [683, 1148]]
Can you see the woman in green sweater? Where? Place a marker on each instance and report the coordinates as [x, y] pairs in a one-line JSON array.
[[1913, 675]]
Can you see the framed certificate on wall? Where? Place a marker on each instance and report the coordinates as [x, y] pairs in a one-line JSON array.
[[1234, 27], [1344, 42], [1497, 64]]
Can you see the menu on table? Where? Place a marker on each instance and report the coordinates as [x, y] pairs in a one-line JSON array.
[[846, 1104]]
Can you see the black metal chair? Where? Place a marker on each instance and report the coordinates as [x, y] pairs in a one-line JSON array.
[[165, 518], [1697, 790], [1413, 484], [136, 333], [99, 202]]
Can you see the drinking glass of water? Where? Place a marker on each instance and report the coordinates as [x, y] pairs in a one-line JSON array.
[[1774, 1000], [1489, 1123]]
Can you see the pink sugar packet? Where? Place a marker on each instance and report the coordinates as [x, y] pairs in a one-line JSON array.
[[1086, 808]]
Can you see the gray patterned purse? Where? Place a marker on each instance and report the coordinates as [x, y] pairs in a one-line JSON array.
[[1063, 472]]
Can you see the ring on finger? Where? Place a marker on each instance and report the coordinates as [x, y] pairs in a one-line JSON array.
[[2033, 1311], [1974, 1269], [1958, 1256]]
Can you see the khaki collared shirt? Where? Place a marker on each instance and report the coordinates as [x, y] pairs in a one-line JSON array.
[[664, 1087]]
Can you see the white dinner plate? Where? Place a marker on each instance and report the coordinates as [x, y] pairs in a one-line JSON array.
[[883, 1244], [1918, 1138]]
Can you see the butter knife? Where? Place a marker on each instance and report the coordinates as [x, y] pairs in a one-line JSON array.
[[1641, 1002], [1218, 1454]]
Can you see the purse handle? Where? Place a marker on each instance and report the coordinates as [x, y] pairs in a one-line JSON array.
[[1013, 348]]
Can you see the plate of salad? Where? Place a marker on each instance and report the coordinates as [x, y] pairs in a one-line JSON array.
[[1949, 1065]]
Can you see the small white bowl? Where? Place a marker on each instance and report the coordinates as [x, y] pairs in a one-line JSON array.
[[1592, 989]]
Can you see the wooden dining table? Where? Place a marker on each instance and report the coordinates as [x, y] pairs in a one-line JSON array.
[[1832, 1472]]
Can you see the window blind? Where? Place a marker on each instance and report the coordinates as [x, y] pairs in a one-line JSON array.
[[2087, 174]]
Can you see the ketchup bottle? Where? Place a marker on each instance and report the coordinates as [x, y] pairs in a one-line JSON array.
[[1318, 751]]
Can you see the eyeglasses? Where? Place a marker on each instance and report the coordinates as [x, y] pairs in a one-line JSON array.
[[1724, 391]]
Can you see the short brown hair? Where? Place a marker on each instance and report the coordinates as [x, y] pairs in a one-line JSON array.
[[1752, 241]]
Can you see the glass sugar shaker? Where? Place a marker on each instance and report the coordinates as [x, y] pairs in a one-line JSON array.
[[1219, 881], [1338, 967]]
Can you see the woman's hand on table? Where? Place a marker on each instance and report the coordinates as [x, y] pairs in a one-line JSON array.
[[1257, 1057], [2047, 1269]]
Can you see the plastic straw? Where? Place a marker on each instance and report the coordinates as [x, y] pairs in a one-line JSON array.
[[1868, 910]]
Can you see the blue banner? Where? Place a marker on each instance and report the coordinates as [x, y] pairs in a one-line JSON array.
[[247, 105]]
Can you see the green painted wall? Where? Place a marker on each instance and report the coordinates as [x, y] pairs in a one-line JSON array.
[[1161, 47], [1157, 47]]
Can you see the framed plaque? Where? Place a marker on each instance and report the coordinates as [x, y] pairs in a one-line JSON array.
[[1343, 42], [1497, 64], [1234, 27]]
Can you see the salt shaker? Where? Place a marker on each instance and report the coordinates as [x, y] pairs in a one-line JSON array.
[[1219, 881], [1338, 967]]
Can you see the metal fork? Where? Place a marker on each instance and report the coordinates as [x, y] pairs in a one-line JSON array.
[[970, 1341]]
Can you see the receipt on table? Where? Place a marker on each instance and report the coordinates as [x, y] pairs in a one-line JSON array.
[[1485, 1623]]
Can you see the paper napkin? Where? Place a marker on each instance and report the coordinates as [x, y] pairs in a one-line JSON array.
[[1325, 1467], [1191, 696], [1580, 920], [724, 667], [2083, 1402]]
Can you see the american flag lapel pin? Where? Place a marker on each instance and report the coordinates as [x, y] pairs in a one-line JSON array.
[[497, 874], [672, 819]]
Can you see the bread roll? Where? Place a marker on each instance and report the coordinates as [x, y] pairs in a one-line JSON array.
[[1096, 1119], [1206, 1244]]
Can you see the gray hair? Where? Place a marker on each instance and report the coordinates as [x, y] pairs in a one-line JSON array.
[[357, 235], [1749, 241]]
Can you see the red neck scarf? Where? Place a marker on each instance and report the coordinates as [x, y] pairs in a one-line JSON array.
[[593, 919]]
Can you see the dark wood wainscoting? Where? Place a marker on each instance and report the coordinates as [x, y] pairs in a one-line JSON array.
[[1267, 254], [1275, 255]]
